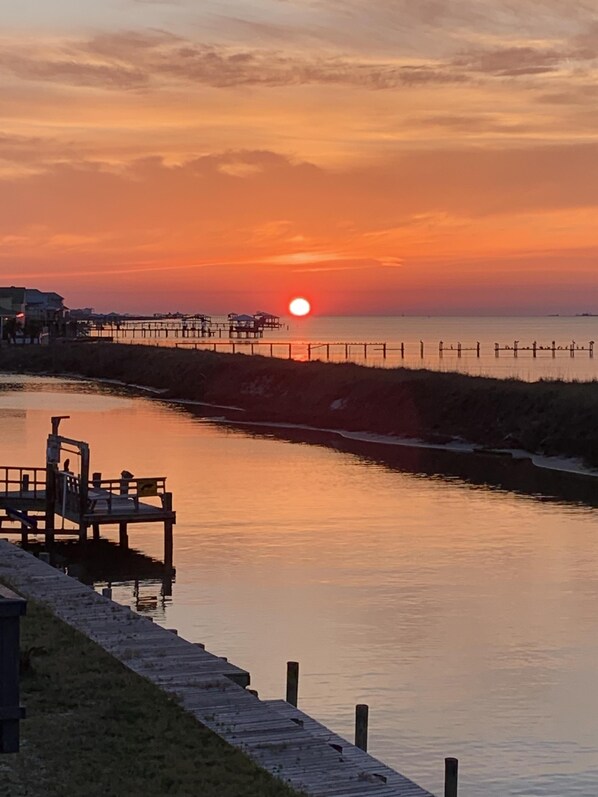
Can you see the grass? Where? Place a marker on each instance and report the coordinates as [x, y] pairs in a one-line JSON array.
[[550, 417], [93, 728]]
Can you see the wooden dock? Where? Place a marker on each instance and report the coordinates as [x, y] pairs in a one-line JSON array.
[[32, 497], [278, 737]]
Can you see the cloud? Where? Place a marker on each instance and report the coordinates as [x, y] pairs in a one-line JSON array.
[[130, 60], [515, 61]]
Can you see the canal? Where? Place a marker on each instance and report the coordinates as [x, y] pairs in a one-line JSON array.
[[464, 616]]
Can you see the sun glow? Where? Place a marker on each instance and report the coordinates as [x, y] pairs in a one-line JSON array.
[[299, 306]]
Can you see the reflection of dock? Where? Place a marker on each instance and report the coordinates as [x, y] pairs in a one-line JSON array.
[[102, 561], [32, 497]]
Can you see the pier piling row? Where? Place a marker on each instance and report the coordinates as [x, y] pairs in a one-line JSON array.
[[350, 351]]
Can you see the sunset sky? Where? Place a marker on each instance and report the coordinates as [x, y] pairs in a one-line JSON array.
[[377, 156]]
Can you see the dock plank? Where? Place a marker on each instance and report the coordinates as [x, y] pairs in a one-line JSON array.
[[208, 687]]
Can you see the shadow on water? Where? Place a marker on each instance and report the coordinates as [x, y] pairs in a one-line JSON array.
[[493, 470]]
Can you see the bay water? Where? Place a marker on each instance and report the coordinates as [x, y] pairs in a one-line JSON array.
[[464, 616]]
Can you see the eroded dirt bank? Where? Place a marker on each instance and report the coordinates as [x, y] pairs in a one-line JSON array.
[[553, 418]]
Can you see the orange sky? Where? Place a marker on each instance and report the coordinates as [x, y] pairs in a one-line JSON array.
[[388, 156]]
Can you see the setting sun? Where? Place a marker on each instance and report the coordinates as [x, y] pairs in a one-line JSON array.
[[299, 307]]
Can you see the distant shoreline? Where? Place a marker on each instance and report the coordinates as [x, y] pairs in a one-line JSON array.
[[428, 408]]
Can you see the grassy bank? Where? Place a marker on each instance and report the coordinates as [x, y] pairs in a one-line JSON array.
[[554, 418], [93, 728]]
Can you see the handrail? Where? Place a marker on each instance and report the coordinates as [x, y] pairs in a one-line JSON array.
[[22, 482], [131, 487]]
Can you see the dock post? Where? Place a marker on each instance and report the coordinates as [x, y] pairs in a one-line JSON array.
[[50, 501], [24, 527], [515, 345], [384, 351], [458, 349], [534, 348], [402, 351], [451, 772], [292, 682], [478, 348], [290, 351], [168, 536], [591, 348], [496, 349], [361, 726], [440, 348], [309, 351], [421, 349], [123, 537], [553, 348]]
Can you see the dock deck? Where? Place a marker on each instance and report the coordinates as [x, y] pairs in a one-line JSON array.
[[278, 737]]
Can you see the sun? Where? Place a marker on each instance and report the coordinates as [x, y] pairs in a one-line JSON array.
[[299, 306]]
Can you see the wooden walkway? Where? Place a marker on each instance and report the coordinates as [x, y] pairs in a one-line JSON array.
[[275, 735]]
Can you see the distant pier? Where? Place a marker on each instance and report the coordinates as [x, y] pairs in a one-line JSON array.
[[351, 350]]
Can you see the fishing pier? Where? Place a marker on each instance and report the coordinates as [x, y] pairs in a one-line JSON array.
[[33, 498]]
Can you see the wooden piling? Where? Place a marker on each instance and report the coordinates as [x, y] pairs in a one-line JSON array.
[[421, 349], [168, 536], [451, 777], [50, 501], [24, 527], [292, 682], [361, 726], [123, 537]]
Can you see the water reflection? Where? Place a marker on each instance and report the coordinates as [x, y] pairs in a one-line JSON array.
[[464, 616]]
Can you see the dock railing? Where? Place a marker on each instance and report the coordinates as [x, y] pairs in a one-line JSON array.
[[22, 482], [109, 492]]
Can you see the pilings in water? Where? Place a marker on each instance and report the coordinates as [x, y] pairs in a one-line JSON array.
[[351, 351]]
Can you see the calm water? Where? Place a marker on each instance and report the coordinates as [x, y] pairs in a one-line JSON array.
[[467, 331], [465, 617]]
